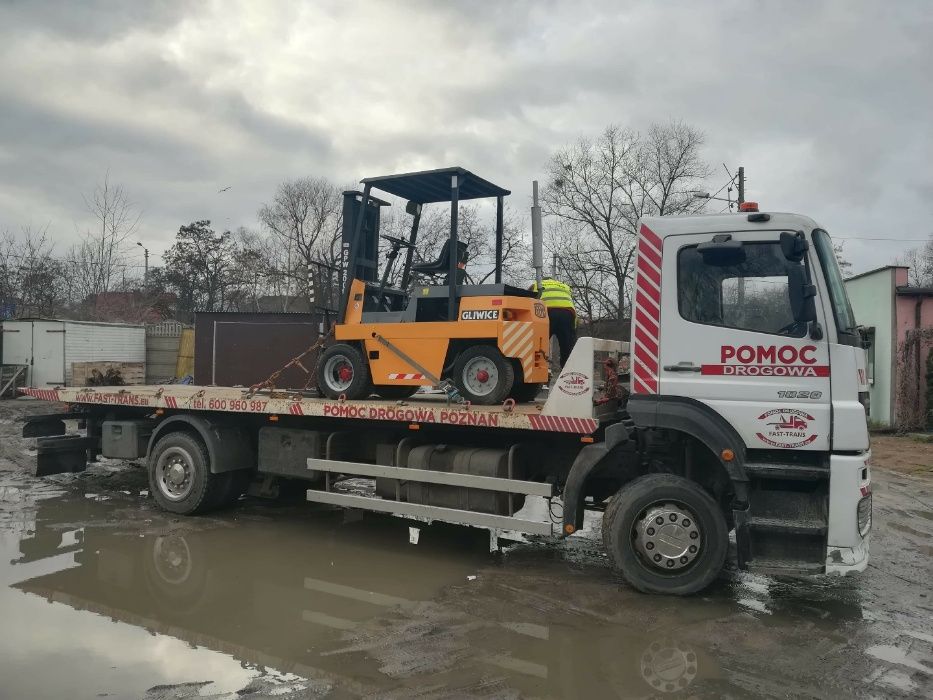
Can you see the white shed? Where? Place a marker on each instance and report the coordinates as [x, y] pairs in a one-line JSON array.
[[51, 348]]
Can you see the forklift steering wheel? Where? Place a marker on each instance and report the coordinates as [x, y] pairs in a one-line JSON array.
[[398, 241]]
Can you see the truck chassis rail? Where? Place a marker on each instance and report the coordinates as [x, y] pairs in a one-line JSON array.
[[429, 512]]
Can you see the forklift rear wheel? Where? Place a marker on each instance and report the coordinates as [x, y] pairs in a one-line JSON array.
[[343, 371], [396, 392], [665, 534], [483, 376]]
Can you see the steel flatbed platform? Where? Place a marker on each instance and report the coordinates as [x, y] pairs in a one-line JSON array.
[[426, 409]]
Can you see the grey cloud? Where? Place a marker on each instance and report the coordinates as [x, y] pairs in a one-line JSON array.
[[91, 20], [826, 103]]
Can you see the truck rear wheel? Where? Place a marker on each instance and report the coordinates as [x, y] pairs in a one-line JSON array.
[[180, 477], [666, 535], [343, 371], [483, 376]]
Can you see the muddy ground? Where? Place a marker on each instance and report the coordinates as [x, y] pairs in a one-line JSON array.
[[103, 595]]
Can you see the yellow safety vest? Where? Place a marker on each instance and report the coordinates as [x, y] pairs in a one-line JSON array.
[[554, 294]]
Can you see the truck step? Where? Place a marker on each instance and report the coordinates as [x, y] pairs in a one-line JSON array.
[[788, 526], [785, 567], [429, 513], [794, 472]]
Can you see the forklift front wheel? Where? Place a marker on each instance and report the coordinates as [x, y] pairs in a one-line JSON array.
[[342, 370], [483, 376]]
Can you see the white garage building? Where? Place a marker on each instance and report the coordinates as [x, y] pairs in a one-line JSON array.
[[50, 348]]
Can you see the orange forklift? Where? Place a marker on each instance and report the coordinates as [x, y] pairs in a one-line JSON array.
[[481, 343]]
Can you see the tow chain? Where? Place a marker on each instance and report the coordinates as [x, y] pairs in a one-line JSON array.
[[296, 361]]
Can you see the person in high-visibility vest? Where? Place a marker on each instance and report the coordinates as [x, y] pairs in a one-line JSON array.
[[562, 315]]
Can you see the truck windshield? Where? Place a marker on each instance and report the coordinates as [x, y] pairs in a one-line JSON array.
[[842, 310]]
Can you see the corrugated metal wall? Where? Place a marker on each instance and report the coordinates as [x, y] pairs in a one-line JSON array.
[[162, 344], [103, 342]]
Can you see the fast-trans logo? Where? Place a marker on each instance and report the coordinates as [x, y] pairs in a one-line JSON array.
[[480, 315]]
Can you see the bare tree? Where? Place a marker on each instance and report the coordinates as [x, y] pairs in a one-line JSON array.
[[919, 262], [597, 191], [262, 266], [479, 234], [101, 254], [31, 279], [844, 265], [306, 216]]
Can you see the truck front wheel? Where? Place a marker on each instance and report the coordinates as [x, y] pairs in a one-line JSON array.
[[666, 535], [180, 477]]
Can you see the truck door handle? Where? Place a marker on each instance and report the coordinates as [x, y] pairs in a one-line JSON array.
[[682, 367]]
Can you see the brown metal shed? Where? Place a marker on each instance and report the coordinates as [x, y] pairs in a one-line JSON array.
[[233, 348]]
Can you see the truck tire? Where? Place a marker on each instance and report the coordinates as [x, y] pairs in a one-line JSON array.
[[180, 477], [176, 570], [343, 371], [666, 535], [483, 376]]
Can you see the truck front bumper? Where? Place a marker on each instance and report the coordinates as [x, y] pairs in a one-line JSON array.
[[846, 560], [849, 525]]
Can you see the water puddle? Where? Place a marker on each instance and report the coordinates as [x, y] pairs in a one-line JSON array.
[[108, 597]]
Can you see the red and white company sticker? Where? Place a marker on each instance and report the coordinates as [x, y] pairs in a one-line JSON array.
[[767, 361], [786, 427], [573, 383]]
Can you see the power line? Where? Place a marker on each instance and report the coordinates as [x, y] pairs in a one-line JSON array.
[[872, 238], [40, 258], [716, 193]]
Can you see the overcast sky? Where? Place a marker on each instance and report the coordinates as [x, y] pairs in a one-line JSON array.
[[828, 105]]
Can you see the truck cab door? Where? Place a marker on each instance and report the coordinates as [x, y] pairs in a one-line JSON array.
[[730, 341]]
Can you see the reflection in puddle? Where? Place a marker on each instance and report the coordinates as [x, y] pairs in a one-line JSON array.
[[284, 601], [346, 604]]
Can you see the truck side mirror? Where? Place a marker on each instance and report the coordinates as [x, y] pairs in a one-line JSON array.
[[722, 251], [793, 245], [412, 208], [802, 294]]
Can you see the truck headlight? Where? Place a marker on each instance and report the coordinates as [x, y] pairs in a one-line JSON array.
[[864, 515]]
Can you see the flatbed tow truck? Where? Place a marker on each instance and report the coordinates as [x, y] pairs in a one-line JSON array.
[[743, 410]]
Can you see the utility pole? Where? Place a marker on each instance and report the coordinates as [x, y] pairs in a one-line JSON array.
[[741, 184], [146, 264], [537, 240]]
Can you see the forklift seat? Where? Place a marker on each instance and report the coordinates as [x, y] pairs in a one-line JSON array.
[[442, 264]]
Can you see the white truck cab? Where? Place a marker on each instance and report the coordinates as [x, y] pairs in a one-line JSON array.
[[743, 338]]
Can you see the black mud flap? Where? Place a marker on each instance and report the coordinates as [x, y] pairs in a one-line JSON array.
[[42, 428], [589, 460], [48, 424], [57, 455]]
